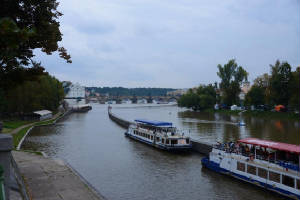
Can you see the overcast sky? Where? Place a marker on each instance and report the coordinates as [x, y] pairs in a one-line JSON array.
[[172, 43]]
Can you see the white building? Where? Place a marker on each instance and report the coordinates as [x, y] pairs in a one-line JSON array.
[[43, 114], [244, 90], [177, 92], [76, 91], [75, 94]]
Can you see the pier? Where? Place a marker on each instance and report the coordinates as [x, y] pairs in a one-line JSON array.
[[197, 146]]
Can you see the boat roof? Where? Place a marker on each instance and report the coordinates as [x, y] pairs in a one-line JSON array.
[[273, 145], [153, 122]]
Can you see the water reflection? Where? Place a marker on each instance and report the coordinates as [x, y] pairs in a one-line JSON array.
[[222, 127]]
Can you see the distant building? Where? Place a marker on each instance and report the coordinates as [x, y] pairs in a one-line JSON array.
[[178, 92], [75, 94], [76, 91], [42, 114], [244, 90]]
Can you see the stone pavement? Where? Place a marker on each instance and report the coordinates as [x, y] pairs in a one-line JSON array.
[[50, 179]]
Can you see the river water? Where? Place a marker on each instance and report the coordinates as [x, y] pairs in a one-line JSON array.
[[121, 168]]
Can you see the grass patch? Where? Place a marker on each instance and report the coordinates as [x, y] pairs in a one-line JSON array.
[[14, 124], [18, 136]]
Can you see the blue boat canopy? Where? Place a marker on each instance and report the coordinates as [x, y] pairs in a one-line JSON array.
[[153, 122]]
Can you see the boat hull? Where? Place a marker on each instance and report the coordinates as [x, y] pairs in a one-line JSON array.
[[159, 146], [216, 167]]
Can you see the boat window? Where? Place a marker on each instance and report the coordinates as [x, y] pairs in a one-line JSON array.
[[157, 139], [288, 181], [240, 166], [167, 141], [298, 184], [251, 169], [174, 142], [262, 173], [163, 141], [151, 137], [273, 176], [187, 140]]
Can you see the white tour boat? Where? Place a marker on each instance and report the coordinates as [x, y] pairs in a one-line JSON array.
[[158, 134], [268, 164]]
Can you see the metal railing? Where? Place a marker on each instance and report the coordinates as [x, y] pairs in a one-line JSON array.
[[2, 190], [228, 148]]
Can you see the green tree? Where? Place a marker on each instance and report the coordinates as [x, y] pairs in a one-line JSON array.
[[280, 83], [294, 89], [200, 98], [263, 82], [44, 93], [25, 26], [189, 100], [231, 76], [255, 96], [28, 25]]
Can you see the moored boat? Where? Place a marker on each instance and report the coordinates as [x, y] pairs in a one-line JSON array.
[[268, 164], [158, 134]]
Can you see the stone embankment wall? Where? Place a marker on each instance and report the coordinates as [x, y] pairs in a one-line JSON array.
[[122, 122], [198, 146]]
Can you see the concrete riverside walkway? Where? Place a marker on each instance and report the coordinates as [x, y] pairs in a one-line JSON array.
[[50, 179]]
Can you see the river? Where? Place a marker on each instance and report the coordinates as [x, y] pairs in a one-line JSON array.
[[121, 168]]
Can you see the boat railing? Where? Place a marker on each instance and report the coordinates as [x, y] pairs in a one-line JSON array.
[[288, 165], [230, 148]]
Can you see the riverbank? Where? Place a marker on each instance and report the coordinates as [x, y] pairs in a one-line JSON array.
[[52, 179], [19, 129], [262, 114], [46, 178]]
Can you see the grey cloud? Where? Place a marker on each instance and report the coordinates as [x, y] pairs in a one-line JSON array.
[[173, 43]]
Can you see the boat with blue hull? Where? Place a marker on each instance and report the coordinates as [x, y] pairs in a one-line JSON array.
[[159, 134], [268, 164]]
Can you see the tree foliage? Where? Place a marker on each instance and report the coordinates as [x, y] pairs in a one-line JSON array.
[[200, 98], [25, 26], [231, 76], [280, 81], [44, 93], [294, 89], [280, 87], [256, 96]]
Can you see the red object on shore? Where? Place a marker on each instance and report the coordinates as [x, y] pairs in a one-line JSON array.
[[273, 145], [279, 108]]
